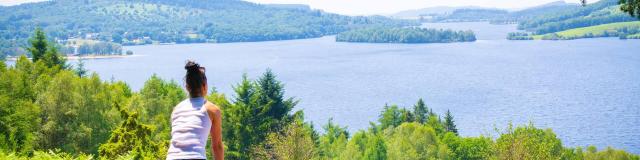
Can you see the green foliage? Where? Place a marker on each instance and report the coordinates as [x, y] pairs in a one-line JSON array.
[[334, 141], [601, 12], [528, 142], [100, 48], [295, 142], [41, 50], [469, 148], [390, 117], [623, 30], [365, 146], [414, 141], [39, 45], [420, 111], [132, 137], [405, 35], [41, 155], [519, 36], [155, 104], [449, 125], [258, 109], [632, 7]]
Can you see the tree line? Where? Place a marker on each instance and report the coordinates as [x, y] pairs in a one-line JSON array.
[[405, 35]]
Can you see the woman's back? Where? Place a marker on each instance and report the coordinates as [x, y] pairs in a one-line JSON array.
[[190, 127]]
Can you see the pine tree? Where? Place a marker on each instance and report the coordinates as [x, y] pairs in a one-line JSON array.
[[420, 111], [80, 70], [259, 108], [449, 123], [390, 116], [39, 45], [41, 50], [272, 102]]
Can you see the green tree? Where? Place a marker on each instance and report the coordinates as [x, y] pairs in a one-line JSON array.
[[469, 148], [132, 137], [390, 116], [420, 111], [258, 108], [295, 142], [449, 123], [414, 141], [80, 70], [528, 142], [19, 116], [334, 140], [41, 49], [632, 7], [273, 106], [155, 104], [39, 45], [61, 126]]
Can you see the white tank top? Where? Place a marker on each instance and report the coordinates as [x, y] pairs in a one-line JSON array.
[[190, 126]]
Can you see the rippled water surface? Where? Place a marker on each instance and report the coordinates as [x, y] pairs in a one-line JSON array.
[[587, 91]]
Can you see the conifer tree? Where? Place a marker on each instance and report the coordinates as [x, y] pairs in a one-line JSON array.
[[449, 123], [39, 45], [420, 111]]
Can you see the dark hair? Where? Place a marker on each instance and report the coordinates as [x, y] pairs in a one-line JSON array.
[[195, 78]]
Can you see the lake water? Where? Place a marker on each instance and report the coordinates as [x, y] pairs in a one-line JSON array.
[[587, 91]]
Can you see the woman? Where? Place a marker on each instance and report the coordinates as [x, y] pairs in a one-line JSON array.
[[194, 119]]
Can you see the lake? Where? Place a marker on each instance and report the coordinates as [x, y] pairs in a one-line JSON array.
[[587, 91]]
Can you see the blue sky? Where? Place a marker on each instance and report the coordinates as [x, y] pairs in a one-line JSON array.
[[367, 7]]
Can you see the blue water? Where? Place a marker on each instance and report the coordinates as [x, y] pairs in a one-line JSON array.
[[587, 91]]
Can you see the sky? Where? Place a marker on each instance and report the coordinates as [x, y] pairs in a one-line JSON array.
[[369, 7]]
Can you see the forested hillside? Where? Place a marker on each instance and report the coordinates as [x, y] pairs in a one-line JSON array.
[[166, 21], [601, 12], [50, 110], [604, 18]]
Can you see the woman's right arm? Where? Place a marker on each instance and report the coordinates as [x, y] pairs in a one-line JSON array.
[[216, 132]]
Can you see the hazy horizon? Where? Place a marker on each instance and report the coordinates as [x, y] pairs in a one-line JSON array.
[[382, 7]]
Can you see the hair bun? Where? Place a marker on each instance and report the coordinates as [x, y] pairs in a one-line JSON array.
[[192, 66]]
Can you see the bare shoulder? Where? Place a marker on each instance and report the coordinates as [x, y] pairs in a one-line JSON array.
[[213, 109]]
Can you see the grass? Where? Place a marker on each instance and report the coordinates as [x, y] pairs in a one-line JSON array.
[[595, 30]]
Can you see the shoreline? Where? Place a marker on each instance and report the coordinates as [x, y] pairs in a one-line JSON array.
[[85, 57]]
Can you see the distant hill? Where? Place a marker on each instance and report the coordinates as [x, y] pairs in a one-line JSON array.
[[166, 21], [289, 6], [466, 15], [440, 10], [474, 13], [540, 10]]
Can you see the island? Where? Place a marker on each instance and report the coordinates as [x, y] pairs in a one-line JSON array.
[[405, 35]]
